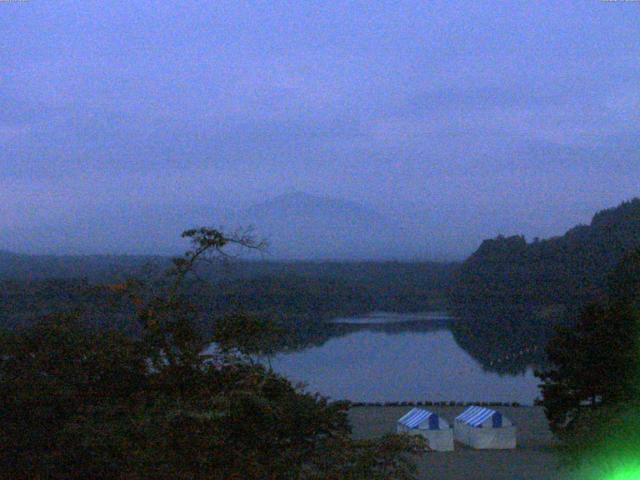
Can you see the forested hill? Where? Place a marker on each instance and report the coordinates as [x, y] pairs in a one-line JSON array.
[[570, 269], [35, 286], [108, 268], [93, 267]]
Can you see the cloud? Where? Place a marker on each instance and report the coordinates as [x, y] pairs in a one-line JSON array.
[[407, 107]]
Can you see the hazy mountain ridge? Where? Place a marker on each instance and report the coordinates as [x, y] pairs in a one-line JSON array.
[[303, 226]]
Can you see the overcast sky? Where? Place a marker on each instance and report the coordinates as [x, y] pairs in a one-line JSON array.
[[471, 118]]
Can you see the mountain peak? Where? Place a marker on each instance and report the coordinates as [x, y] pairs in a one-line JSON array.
[[300, 225]]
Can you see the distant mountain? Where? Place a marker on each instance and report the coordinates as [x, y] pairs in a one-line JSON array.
[[303, 226], [570, 269]]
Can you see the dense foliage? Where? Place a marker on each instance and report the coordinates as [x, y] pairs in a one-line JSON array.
[[78, 401], [570, 270], [22, 267], [297, 292], [592, 394]]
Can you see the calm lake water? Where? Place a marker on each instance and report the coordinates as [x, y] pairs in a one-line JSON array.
[[392, 357]]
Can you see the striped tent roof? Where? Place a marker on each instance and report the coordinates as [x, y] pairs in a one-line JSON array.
[[416, 416], [476, 416]]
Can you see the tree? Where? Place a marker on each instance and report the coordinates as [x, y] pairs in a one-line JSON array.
[[247, 335], [51, 375], [594, 382], [79, 403], [593, 365]]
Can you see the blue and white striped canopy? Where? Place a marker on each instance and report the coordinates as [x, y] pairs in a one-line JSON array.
[[417, 416], [476, 416]]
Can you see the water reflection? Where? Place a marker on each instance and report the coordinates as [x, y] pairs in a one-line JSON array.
[[306, 333], [506, 340], [434, 357]]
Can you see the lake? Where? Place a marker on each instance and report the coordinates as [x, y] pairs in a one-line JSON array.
[[395, 357]]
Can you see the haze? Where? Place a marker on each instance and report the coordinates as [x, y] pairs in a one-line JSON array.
[[441, 123]]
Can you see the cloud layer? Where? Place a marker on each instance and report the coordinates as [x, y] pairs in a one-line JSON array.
[[467, 118]]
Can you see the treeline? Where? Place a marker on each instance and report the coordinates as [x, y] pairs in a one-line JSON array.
[[20, 267], [567, 270], [290, 292], [326, 289], [97, 268]]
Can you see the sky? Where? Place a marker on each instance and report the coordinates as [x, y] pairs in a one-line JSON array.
[[461, 120]]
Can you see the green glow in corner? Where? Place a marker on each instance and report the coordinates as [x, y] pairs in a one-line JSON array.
[[629, 472]]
